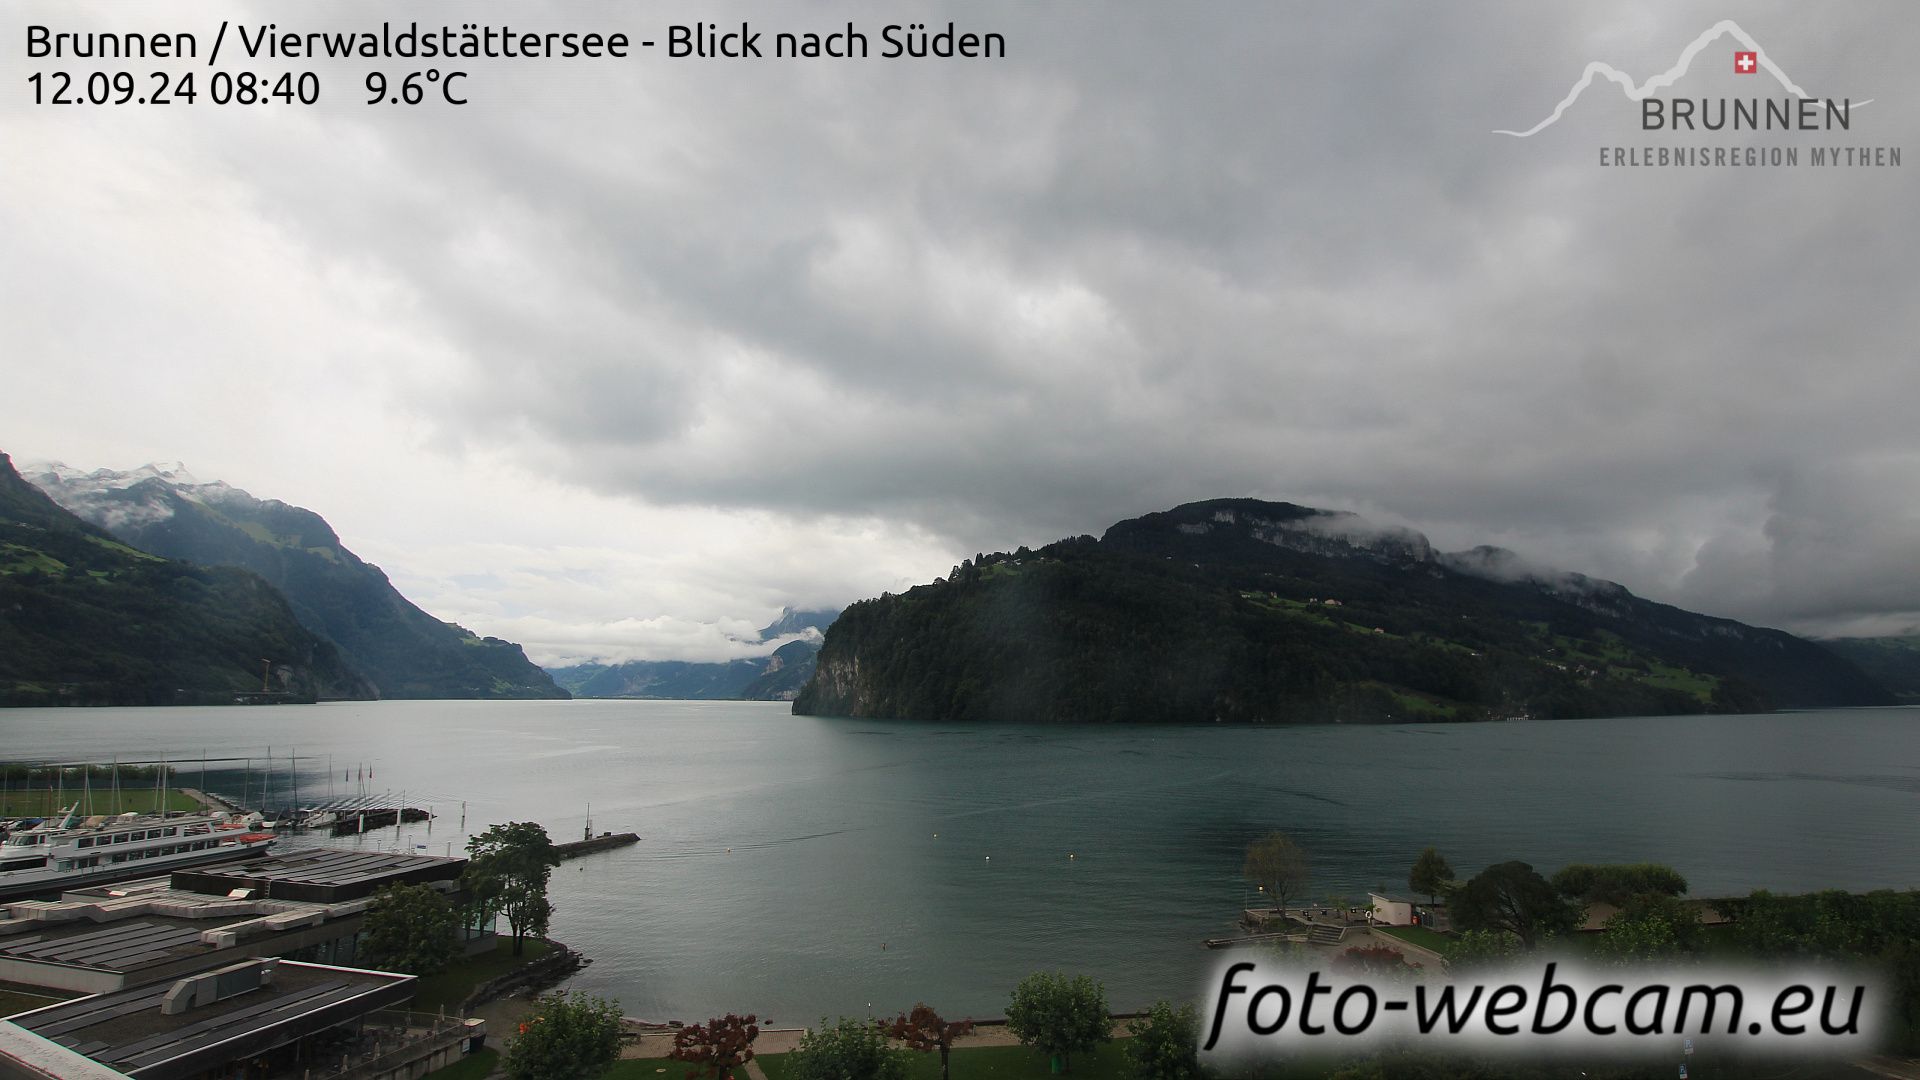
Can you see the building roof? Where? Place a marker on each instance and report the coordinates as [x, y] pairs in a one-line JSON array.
[[130, 1031], [319, 875], [140, 930], [115, 947]]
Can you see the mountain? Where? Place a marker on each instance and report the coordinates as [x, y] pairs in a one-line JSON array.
[[1893, 662], [777, 677], [87, 620], [786, 671], [404, 651], [1248, 611]]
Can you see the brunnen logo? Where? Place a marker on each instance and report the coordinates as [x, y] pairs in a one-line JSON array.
[[1794, 110]]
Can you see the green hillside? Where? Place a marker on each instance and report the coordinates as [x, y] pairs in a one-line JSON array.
[[1246, 611], [88, 620], [402, 650], [1893, 662]]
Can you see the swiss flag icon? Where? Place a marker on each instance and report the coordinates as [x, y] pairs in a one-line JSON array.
[[1746, 63]]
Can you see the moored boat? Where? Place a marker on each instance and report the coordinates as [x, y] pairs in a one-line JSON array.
[[69, 851]]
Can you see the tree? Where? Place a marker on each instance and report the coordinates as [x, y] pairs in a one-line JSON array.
[[925, 1030], [1482, 948], [1430, 875], [1278, 865], [1511, 897], [847, 1050], [1617, 884], [1058, 1015], [717, 1047], [1651, 927], [1165, 1044], [571, 1037], [507, 871], [410, 928]]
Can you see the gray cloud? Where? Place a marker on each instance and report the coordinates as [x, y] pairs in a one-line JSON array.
[[1149, 258]]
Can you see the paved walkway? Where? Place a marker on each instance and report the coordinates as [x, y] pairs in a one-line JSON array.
[[207, 801]]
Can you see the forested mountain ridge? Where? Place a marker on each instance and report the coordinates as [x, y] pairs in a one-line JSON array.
[[1239, 610], [1893, 662], [88, 620], [404, 651]]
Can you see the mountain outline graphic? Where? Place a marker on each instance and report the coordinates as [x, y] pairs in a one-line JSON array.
[[1641, 91]]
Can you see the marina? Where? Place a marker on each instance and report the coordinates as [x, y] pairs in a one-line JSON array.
[[777, 854]]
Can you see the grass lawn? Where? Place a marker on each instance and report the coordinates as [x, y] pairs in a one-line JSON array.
[[1421, 936], [448, 988], [470, 1067], [44, 803]]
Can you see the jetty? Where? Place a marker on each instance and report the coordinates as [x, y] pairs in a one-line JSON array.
[[1245, 940], [606, 841]]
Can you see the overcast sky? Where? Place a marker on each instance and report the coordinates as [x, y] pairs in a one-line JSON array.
[[625, 355]]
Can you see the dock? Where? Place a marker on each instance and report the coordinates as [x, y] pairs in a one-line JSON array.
[[1246, 940], [604, 842]]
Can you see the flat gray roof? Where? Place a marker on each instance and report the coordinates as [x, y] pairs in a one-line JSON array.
[[126, 1030], [322, 875], [114, 947]]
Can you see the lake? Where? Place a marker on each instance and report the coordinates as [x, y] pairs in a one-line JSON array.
[[802, 867]]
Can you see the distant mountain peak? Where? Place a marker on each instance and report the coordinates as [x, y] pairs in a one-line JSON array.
[[793, 622], [164, 509]]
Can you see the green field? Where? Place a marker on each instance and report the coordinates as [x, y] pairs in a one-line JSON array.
[[1419, 935], [40, 802], [476, 1066]]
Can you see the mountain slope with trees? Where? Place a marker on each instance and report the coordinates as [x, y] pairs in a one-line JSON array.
[[1244, 611], [88, 620], [1893, 662], [404, 651]]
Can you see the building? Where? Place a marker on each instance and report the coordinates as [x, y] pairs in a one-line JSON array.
[[306, 904], [241, 969], [1389, 911], [265, 1015]]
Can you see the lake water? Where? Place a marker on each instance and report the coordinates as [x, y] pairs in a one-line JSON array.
[[804, 867]]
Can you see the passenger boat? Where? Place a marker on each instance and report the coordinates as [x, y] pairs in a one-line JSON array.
[[69, 851]]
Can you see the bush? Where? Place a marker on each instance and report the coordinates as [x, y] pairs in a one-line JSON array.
[[572, 1037], [847, 1050], [1165, 1044]]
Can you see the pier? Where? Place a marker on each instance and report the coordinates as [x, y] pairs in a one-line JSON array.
[[604, 842]]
